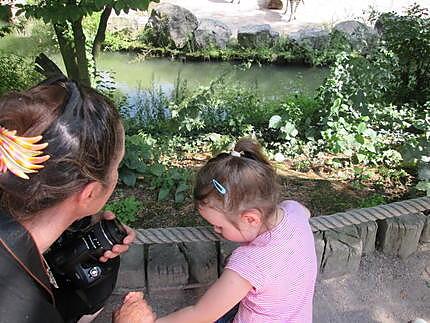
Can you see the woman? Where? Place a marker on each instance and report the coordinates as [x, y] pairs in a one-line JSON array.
[[49, 182]]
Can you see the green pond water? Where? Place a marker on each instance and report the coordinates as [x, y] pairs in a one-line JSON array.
[[134, 76]]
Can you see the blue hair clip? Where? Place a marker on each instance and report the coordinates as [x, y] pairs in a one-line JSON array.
[[221, 189]]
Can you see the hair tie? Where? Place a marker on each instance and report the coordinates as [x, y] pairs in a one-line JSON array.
[[235, 153], [19, 154]]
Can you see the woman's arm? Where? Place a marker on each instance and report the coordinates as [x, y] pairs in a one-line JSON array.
[[222, 296]]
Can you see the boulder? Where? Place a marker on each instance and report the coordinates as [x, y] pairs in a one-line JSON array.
[[170, 24], [314, 38], [212, 33], [425, 235], [275, 4], [132, 270], [342, 252], [358, 34], [202, 260], [399, 236], [167, 267], [367, 232], [225, 249], [252, 36]]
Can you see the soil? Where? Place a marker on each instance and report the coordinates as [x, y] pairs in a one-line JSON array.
[[385, 289]]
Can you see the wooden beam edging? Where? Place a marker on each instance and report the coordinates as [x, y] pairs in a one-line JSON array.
[[319, 223]]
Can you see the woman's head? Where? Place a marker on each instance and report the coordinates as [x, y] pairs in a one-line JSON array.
[[249, 181], [85, 143]]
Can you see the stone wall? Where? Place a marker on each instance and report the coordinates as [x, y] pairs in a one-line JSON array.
[[173, 266]]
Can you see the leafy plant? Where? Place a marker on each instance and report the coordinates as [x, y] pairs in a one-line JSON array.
[[16, 73], [125, 209]]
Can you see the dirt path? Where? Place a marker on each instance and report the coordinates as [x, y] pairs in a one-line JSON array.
[[386, 290]]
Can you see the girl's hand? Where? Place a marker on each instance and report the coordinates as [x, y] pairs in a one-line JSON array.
[[134, 309], [118, 248]]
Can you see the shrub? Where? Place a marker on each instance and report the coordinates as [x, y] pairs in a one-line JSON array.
[[16, 73]]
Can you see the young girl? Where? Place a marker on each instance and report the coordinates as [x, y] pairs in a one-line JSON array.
[[272, 274]]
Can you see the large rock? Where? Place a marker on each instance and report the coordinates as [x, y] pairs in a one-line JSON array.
[[314, 38], [225, 249], [342, 252], [319, 247], [132, 270], [275, 4], [358, 34], [400, 235], [212, 33], [167, 267], [202, 259], [367, 232], [171, 24], [425, 235], [252, 36]]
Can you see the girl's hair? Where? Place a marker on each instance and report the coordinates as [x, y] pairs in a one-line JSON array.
[[250, 181], [84, 135]]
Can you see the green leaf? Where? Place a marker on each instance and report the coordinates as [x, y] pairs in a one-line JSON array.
[[275, 122], [129, 179], [179, 197], [182, 187], [163, 193], [157, 170]]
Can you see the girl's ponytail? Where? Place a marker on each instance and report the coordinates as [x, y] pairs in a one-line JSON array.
[[251, 147]]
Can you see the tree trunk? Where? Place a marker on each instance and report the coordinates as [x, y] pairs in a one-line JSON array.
[[81, 55], [101, 31], [67, 51]]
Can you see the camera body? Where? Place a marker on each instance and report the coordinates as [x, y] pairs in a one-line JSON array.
[[73, 258]]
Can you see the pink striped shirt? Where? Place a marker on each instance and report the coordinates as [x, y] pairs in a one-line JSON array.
[[281, 266]]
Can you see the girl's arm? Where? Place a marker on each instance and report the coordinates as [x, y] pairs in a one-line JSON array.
[[222, 296]]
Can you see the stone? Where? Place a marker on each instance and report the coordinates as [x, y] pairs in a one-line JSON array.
[[252, 36], [425, 235], [202, 260], [383, 19], [132, 270], [275, 4], [358, 34], [367, 232], [167, 267], [212, 33], [342, 252], [315, 38], [319, 247], [170, 24], [225, 249], [399, 236]]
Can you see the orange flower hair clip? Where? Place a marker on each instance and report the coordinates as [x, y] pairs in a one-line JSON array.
[[20, 155]]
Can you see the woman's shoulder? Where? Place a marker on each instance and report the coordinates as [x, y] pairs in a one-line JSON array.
[[295, 207]]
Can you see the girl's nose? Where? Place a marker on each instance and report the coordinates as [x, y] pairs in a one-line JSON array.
[[217, 229]]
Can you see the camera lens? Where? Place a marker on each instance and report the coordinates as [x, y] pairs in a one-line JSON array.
[[113, 231]]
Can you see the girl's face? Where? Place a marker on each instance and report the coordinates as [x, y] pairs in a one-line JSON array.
[[242, 231]]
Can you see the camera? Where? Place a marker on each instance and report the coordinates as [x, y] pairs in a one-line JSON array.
[[73, 258]]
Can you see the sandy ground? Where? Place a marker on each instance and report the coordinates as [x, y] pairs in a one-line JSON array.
[[385, 289]]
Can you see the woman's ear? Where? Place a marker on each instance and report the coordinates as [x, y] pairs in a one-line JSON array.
[[87, 198], [251, 217]]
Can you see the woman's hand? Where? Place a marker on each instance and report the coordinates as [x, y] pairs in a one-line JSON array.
[[118, 248], [134, 309]]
